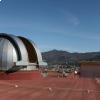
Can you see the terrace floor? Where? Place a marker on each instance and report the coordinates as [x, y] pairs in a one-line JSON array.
[[50, 88]]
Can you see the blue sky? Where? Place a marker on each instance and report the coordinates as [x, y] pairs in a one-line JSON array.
[[71, 25]]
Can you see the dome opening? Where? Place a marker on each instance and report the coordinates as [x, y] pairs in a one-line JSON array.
[[30, 49]]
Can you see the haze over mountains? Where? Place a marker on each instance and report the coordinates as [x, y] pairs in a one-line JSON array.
[[60, 56]]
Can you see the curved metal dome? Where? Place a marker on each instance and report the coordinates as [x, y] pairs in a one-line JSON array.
[[18, 53], [8, 54]]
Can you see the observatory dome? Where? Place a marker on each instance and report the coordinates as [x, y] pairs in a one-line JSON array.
[[18, 53]]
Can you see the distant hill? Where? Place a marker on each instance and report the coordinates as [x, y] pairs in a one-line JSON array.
[[60, 57]]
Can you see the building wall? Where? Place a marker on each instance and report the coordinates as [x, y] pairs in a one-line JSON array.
[[90, 70]]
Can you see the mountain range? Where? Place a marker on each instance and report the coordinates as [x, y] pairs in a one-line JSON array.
[[61, 57]]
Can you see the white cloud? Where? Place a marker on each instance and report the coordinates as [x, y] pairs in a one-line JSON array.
[[74, 20], [70, 18]]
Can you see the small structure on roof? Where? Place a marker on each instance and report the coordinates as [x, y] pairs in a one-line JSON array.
[[90, 69]]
